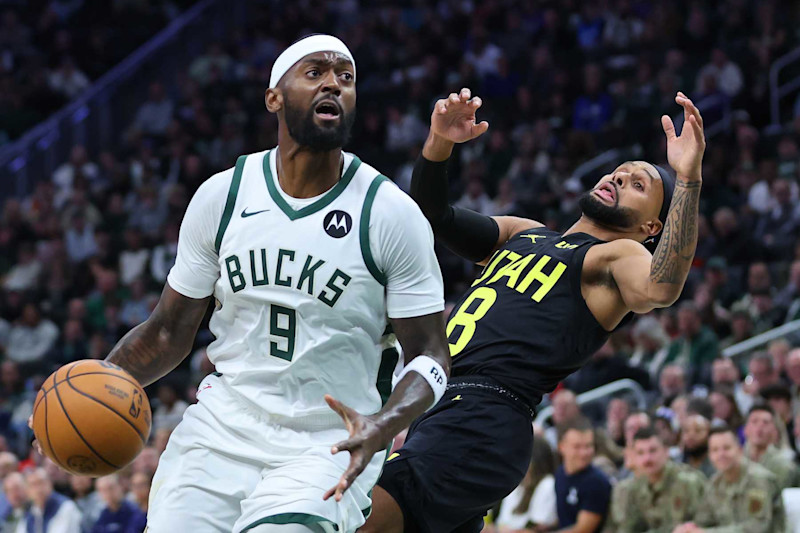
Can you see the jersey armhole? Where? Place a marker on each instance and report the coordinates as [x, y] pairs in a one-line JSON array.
[[230, 202], [363, 230]]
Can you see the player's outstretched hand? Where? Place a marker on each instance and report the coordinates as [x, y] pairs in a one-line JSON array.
[[685, 151], [453, 118], [366, 439]]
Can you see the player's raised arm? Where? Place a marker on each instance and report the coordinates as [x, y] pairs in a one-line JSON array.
[[467, 233], [647, 282]]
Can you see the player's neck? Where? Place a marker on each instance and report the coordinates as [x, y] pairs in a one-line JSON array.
[[305, 174], [600, 231]]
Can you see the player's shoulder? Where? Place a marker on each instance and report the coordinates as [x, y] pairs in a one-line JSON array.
[[215, 188], [617, 249]]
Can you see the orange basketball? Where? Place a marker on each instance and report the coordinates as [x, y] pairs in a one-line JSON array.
[[91, 418]]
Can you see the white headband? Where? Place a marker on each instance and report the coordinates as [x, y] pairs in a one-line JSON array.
[[304, 47]]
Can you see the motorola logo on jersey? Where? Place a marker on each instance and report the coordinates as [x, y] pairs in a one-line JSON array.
[[337, 224]]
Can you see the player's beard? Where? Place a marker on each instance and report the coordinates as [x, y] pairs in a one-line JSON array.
[[305, 132], [607, 215]]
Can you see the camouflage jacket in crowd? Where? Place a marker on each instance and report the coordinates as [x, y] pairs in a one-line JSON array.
[[752, 504], [637, 506]]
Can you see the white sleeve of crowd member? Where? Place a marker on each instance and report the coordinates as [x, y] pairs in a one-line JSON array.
[[196, 268], [402, 243], [67, 518]]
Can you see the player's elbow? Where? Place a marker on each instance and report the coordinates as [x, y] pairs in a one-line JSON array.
[[664, 297]]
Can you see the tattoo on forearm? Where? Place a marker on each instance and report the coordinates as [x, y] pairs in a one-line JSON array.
[[152, 349], [674, 254]]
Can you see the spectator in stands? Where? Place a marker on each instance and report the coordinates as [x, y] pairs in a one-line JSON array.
[[532, 505], [671, 383], [74, 344], [762, 372], [50, 512], [793, 373], [583, 492], [779, 350], [140, 490], [694, 444], [119, 514], [664, 495], [80, 239], [170, 407], [163, 256], [725, 408], [724, 373], [68, 79], [78, 167], [616, 413], [150, 213], [136, 309], [16, 494], [778, 228], [651, 345], [593, 109], [759, 431], [32, 337], [88, 501], [788, 298], [726, 74], [154, 115], [565, 411], [763, 511], [779, 398], [696, 346], [24, 275], [635, 421]]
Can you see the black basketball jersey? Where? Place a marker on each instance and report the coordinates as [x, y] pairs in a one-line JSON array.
[[524, 322]]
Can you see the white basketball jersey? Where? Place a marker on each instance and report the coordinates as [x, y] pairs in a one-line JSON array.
[[301, 306]]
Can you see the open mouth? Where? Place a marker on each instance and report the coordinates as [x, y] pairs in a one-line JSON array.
[[607, 192], [327, 110]]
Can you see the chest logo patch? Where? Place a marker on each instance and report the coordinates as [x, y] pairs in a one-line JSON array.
[[337, 224]]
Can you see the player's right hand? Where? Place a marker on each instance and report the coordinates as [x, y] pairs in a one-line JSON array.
[[453, 118]]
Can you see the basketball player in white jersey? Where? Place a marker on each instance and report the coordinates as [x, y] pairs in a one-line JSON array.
[[305, 251]]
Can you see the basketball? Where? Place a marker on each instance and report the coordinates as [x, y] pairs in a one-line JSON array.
[[91, 418]]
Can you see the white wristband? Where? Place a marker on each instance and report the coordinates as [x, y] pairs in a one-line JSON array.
[[433, 373]]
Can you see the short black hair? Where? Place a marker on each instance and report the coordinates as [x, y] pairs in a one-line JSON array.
[[776, 391], [700, 406], [724, 428], [647, 433], [761, 407], [581, 424]]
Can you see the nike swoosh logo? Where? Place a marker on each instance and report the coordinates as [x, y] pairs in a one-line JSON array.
[[245, 214]]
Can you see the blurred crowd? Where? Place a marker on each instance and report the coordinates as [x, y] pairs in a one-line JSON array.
[[83, 259], [52, 50]]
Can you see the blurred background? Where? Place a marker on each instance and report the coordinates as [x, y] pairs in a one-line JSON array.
[[113, 112]]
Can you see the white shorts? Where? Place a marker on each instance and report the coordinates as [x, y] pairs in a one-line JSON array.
[[227, 468]]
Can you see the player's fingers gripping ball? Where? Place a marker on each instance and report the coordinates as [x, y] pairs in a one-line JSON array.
[[91, 418]]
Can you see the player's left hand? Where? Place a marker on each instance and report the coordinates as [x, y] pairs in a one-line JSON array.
[[366, 439], [685, 151]]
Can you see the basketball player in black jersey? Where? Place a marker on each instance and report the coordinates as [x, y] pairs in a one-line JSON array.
[[544, 303]]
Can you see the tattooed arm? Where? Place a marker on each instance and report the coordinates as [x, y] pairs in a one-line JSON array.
[[156, 346], [661, 277]]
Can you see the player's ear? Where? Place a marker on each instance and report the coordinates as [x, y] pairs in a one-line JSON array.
[[273, 99], [653, 227]]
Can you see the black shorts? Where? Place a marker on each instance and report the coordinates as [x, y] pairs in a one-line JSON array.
[[460, 458]]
